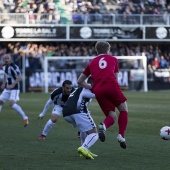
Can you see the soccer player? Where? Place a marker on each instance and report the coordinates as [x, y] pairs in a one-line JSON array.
[[104, 69], [11, 86], [76, 112], [59, 96]]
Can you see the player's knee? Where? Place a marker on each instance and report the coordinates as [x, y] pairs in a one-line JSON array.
[[123, 107], [11, 103], [94, 130], [54, 118], [1, 102], [113, 115]]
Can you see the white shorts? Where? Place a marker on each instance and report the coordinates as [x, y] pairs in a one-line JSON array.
[[9, 95], [83, 121], [57, 110]]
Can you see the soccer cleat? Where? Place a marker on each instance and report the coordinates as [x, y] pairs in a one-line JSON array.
[[85, 153], [40, 116], [92, 154], [42, 137], [122, 141], [102, 132], [26, 122]]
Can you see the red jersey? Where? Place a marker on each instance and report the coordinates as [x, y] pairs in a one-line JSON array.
[[105, 85], [102, 69]]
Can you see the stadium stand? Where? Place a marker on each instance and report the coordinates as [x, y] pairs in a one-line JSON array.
[[85, 11], [35, 52], [125, 12]]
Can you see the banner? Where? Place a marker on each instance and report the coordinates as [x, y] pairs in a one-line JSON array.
[[137, 75], [162, 75], [38, 32], [36, 81], [158, 33], [105, 32]]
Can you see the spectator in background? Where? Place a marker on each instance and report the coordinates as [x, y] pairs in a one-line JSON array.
[[38, 50], [163, 62], [155, 64]]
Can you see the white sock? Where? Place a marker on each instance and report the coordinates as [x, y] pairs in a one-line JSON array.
[[46, 107], [90, 140], [0, 108], [83, 137], [47, 127], [19, 110]]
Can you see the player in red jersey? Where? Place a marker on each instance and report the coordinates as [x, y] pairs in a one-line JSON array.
[[104, 69]]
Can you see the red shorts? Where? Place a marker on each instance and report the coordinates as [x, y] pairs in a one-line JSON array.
[[109, 96]]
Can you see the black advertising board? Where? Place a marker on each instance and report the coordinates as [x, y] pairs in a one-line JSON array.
[[158, 33], [84, 33], [38, 32], [105, 32]]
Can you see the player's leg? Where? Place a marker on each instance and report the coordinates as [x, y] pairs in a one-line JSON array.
[[83, 136], [1, 103], [89, 135], [122, 122], [110, 118], [78, 134], [108, 121], [4, 97], [14, 97], [104, 97], [57, 111], [46, 107]]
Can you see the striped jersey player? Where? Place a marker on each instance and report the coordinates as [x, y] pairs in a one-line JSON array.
[[11, 86], [76, 112], [58, 97]]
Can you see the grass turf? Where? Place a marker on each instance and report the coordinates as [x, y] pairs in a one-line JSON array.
[[20, 148]]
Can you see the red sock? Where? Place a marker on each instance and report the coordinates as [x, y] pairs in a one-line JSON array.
[[122, 122], [109, 121]]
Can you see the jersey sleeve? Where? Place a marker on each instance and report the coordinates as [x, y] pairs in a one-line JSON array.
[[15, 68], [87, 71], [116, 66], [88, 93], [56, 92]]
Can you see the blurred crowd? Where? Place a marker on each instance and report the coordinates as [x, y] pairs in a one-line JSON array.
[[86, 6], [54, 11], [158, 55]]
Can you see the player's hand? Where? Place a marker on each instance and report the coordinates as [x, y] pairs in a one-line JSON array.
[[9, 87], [2, 86]]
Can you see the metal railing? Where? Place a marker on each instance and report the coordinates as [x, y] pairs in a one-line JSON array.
[[88, 19]]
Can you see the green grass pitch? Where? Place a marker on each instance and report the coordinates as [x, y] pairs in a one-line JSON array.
[[20, 148]]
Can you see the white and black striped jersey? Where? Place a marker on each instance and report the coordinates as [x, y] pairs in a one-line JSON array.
[[78, 101], [11, 72], [58, 97]]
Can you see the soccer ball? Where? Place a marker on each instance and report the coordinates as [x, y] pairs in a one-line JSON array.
[[165, 133]]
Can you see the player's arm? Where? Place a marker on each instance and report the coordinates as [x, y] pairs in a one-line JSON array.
[[4, 82], [88, 94], [46, 107], [116, 69], [81, 81], [116, 75]]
